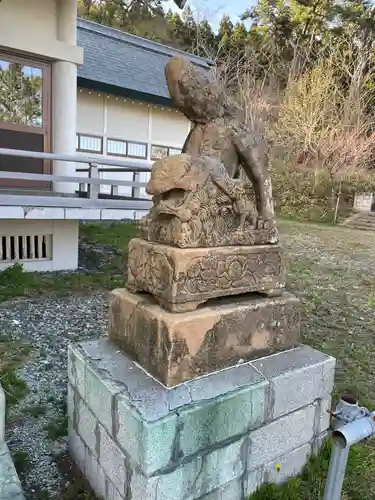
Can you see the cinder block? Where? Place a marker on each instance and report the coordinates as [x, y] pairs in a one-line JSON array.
[[2, 415], [234, 490], [203, 474], [77, 448], [95, 475], [113, 461], [71, 406], [212, 421], [289, 465], [205, 439], [297, 377], [229, 491], [100, 391], [323, 417], [76, 370], [152, 445], [87, 427], [281, 436]]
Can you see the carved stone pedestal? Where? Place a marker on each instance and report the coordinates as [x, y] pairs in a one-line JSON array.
[[182, 278], [179, 347]]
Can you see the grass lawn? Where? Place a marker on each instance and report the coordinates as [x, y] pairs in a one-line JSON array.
[[332, 270]]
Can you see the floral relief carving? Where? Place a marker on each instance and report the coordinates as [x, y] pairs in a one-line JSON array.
[[226, 272]]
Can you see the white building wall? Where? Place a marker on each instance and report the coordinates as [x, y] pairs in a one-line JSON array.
[[31, 26], [115, 118], [47, 30], [63, 234]]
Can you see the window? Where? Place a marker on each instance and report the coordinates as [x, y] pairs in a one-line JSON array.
[[117, 147], [137, 150], [158, 152], [89, 143], [21, 94], [25, 103]]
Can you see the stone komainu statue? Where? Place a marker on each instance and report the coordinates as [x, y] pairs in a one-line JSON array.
[[198, 201]]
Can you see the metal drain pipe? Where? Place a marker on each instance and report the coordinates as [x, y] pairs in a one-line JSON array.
[[350, 424]]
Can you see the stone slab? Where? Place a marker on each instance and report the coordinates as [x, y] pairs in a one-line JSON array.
[[179, 347], [181, 279], [10, 486]]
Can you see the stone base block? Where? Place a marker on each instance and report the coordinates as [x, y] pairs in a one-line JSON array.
[[179, 347], [216, 437], [183, 278]]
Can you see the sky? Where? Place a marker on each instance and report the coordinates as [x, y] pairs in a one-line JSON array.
[[213, 10]]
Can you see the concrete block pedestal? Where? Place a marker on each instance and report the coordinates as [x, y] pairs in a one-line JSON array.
[[216, 437]]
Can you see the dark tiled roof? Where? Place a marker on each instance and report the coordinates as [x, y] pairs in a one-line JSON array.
[[126, 64]]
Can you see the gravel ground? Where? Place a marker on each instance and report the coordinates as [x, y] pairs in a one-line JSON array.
[[48, 325]]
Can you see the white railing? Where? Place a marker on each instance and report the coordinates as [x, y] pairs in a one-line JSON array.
[[92, 195]]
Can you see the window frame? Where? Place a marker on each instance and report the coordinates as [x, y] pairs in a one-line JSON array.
[[127, 142], [92, 136], [139, 144], [46, 127], [46, 94], [118, 155]]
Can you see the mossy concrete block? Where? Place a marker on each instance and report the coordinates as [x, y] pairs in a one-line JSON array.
[[214, 421], [150, 444], [212, 438], [10, 486], [157, 426], [204, 474]]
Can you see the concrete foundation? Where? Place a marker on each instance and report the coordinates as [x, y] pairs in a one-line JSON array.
[[216, 437], [10, 486]]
